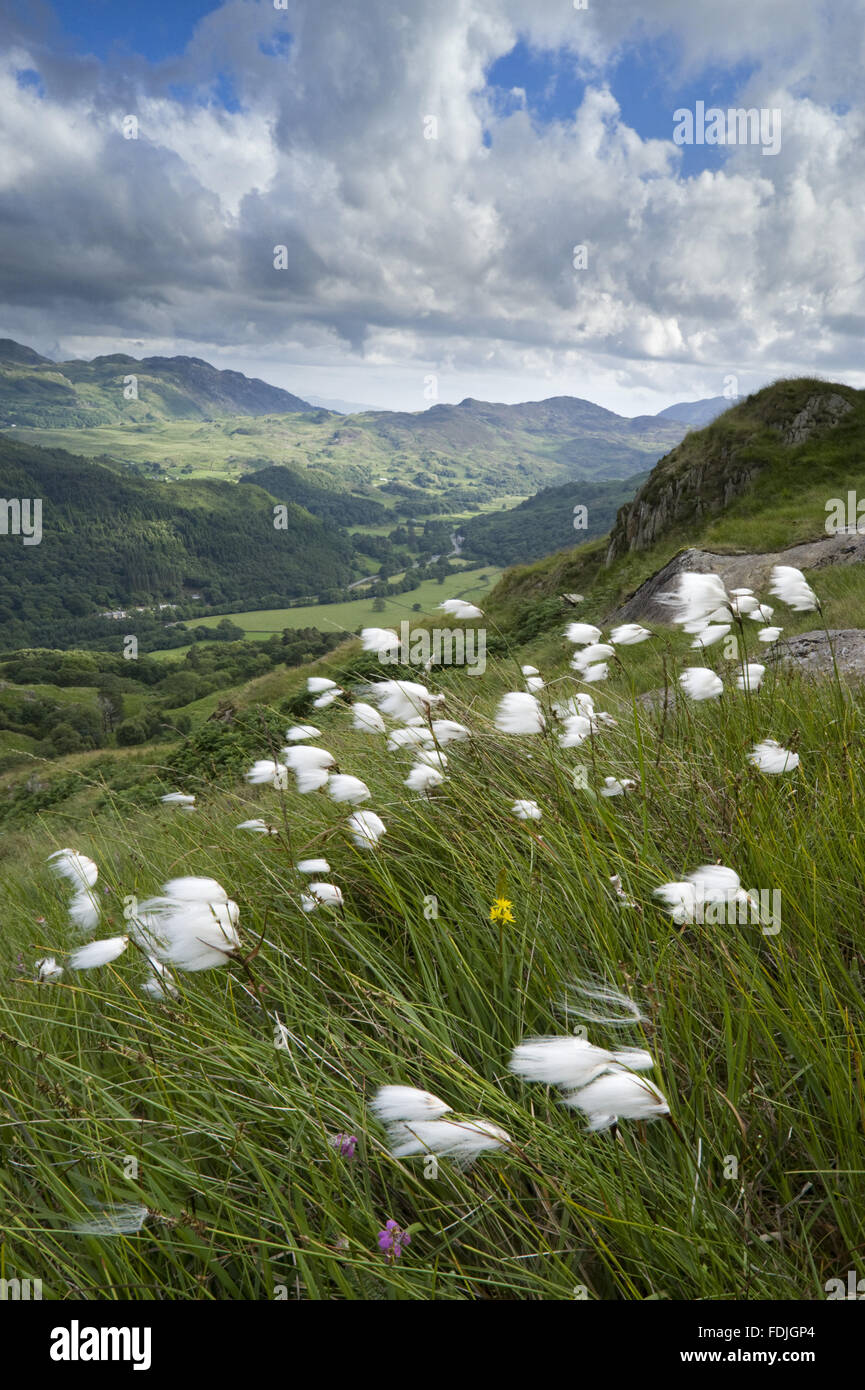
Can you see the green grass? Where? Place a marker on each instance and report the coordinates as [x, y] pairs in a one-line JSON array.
[[349, 616], [757, 1037]]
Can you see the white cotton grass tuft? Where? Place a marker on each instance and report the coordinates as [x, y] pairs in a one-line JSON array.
[[82, 873], [97, 953], [743, 603], [603, 1084], [581, 633], [598, 671], [415, 1125], [257, 827], [616, 1009], [620, 893], [769, 634], [462, 1140], [366, 718], [576, 730], [403, 700], [342, 787], [530, 670], [697, 598], [366, 829], [116, 1219], [47, 970], [699, 683], [534, 683], [182, 800], [310, 766], [267, 773], [751, 676], [526, 810], [762, 613], [710, 885], [431, 757], [408, 737], [312, 866], [160, 982], [317, 685], [618, 1095], [321, 895], [581, 703], [327, 699], [448, 731], [382, 640], [595, 651], [712, 633], [571, 1062], [791, 587], [191, 925], [460, 608], [423, 778], [613, 786], [771, 758], [404, 1104], [519, 713], [298, 732], [629, 635]]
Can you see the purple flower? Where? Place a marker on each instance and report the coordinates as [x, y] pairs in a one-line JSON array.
[[345, 1144], [392, 1239]]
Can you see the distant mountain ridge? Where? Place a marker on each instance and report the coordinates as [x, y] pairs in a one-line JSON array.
[[696, 413], [117, 389]]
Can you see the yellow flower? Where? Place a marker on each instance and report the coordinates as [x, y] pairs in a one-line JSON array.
[[501, 911]]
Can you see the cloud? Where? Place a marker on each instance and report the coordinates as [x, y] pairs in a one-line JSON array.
[[452, 254]]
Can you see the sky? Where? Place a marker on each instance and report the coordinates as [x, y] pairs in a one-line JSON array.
[[381, 200]]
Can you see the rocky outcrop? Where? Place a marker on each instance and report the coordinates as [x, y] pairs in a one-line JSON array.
[[737, 571], [709, 469], [821, 411]]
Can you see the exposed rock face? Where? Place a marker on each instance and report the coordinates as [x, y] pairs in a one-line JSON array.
[[738, 571], [810, 652], [702, 478], [702, 490], [819, 412]]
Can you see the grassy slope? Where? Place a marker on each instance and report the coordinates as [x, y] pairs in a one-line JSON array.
[[755, 1035]]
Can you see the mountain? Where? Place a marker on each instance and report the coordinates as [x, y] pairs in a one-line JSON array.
[[342, 407], [113, 540], [476, 451], [55, 395], [695, 413], [546, 522], [536, 440]]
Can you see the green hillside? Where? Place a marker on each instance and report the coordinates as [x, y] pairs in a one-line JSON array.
[[756, 479], [547, 522], [114, 541]]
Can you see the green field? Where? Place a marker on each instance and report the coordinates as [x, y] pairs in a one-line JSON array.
[[327, 617]]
